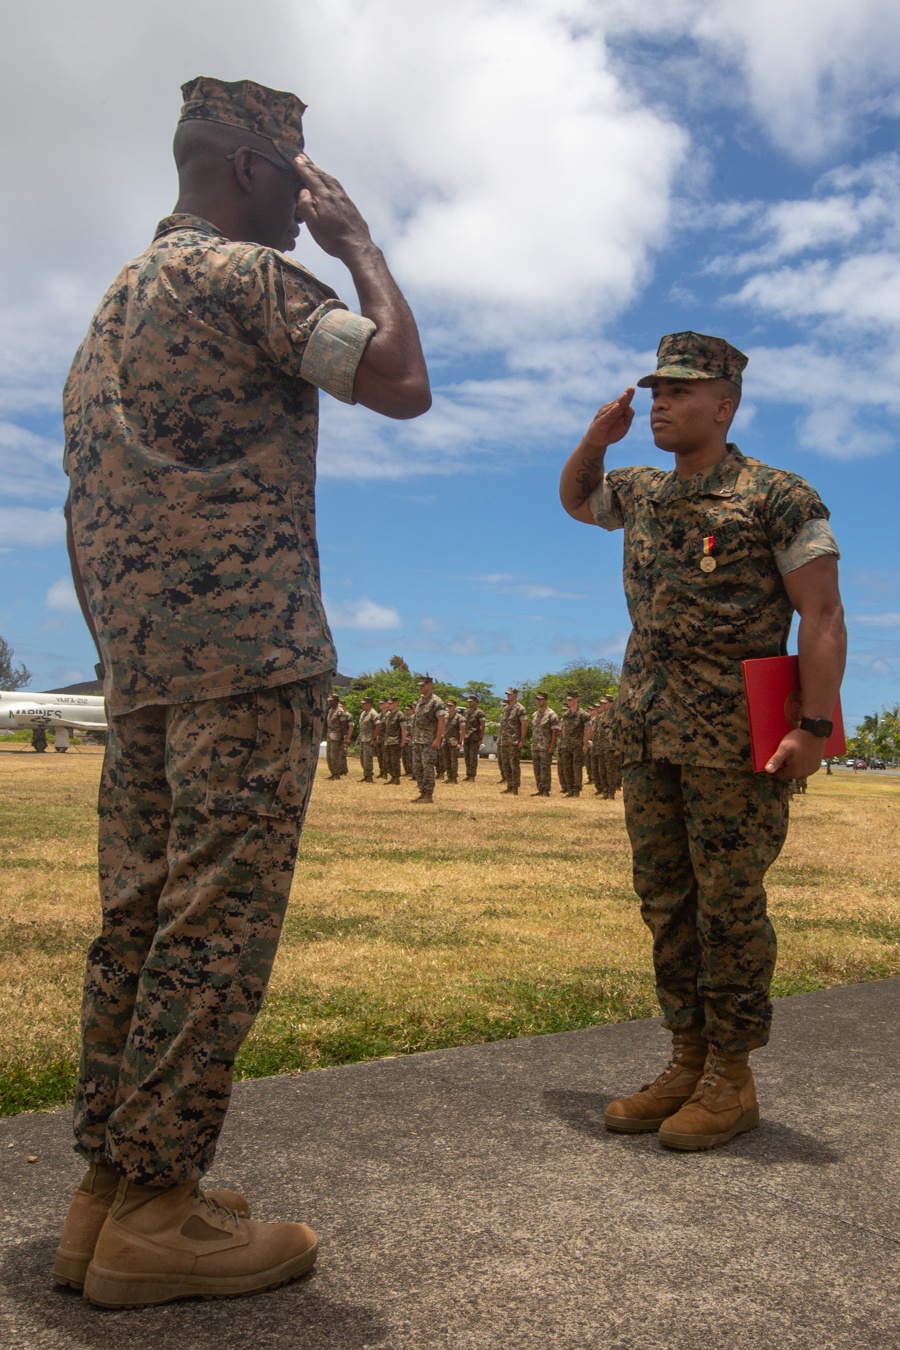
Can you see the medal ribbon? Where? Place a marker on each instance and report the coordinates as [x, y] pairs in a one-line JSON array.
[[709, 542]]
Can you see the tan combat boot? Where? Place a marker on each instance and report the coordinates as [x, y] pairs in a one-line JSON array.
[[723, 1105], [87, 1214], [655, 1102], [425, 797], [156, 1246]]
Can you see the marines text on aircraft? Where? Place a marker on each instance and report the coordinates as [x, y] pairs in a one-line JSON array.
[[62, 712]]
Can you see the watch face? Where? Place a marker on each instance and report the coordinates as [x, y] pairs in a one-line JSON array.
[[818, 726]]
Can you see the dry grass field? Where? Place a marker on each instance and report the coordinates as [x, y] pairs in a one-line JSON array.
[[411, 928]]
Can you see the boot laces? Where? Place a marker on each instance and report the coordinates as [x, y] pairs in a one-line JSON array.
[[213, 1206]]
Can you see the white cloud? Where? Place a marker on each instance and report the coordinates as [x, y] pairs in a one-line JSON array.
[[61, 596], [30, 465], [509, 583], [25, 526], [363, 614], [887, 620]]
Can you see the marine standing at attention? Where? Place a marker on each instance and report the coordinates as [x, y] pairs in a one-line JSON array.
[[574, 727], [544, 733], [719, 552], [473, 735], [393, 738], [427, 735], [453, 730], [191, 425], [368, 721], [513, 727]]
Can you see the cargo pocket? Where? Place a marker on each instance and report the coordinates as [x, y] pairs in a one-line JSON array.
[[264, 757]]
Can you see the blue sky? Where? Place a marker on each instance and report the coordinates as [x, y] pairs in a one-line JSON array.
[[555, 186]]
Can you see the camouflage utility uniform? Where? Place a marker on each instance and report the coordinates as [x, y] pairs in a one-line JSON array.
[[704, 827], [426, 712], [472, 738], [570, 748], [543, 724], [338, 724], [368, 721], [406, 754], [508, 752], [392, 725], [191, 421], [453, 730]]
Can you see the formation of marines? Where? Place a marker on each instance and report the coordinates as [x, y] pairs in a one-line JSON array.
[[427, 739]]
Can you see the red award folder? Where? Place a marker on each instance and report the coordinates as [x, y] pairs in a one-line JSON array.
[[772, 691]]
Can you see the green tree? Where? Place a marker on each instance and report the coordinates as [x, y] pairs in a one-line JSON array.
[[11, 677], [878, 735], [591, 681]]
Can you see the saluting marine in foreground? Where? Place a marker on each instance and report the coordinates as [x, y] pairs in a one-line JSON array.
[[191, 425], [719, 553]]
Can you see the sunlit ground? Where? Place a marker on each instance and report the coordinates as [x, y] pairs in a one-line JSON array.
[[412, 928]]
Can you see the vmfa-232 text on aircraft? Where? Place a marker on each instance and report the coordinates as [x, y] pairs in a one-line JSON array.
[[61, 712]]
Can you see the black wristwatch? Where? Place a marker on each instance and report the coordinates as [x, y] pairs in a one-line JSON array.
[[817, 726]]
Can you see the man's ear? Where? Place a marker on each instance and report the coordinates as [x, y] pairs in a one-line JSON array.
[[242, 165]]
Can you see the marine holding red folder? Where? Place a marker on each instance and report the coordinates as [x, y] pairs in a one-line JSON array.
[[719, 554]]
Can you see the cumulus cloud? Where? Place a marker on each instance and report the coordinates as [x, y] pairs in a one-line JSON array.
[[509, 583], [61, 596], [29, 527], [363, 614], [887, 620]]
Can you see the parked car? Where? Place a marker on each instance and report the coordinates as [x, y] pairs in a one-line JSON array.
[[878, 764], [859, 764]]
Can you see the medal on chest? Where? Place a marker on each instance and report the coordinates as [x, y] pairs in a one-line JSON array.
[[708, 562]]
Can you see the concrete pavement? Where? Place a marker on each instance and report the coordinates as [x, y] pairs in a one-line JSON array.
[[471, 1198]]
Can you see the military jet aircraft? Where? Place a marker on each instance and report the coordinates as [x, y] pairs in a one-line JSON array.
[[62, 712]]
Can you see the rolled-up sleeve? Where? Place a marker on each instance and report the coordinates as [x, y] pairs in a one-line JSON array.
[[604, 506], [815, 540], [333, 352]]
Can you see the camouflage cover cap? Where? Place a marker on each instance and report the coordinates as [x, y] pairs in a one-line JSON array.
[[542, 693], [426, 679], [695, 356], [572, 693], [268, 112], [512, 689]]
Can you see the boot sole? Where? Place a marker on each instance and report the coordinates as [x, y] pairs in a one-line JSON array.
[[110, 1289], [624, 1125], [70, 1268], [696, 1143]]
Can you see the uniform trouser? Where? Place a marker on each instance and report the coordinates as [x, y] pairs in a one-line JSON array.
[[510, 765], [589, 765], [407, 758], [424, 757], [201, 807], [379, 759], [450, 752], [333, 750], [391, 758], [611, 769], [366, 758], [702, 841], [342, 758], [470, 750], [541, 762], [597, 774], [569, 764]]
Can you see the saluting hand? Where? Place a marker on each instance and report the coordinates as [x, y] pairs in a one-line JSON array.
[[612, 422], [328, 213]]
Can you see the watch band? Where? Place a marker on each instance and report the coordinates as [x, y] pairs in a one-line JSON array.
[[817, 726]]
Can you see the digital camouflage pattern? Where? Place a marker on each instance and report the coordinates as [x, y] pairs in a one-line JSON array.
[[681, 677], [702, 840], [508, 752], [201, 807], [696, 356], [368, 723], [191, 415], [570, 748], [454, 729], [272, 113], [473, 735], [338, 729], [427, 710], [543, 724], [392, 725]]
